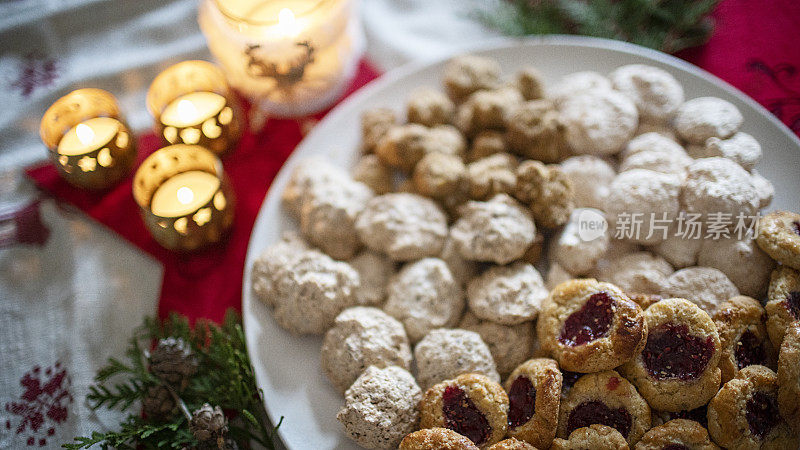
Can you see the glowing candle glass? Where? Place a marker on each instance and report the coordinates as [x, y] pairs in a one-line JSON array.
[[192, 104], [184, 197], [290, 57], [88, 140]]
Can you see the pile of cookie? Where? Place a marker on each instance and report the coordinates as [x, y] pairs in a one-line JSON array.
[[422, 269]]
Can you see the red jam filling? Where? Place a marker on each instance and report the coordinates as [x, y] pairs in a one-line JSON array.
[[590, 322], [588, 413], [750, 350], [671, 352], [793, 303], [570, 378], [762, 413], [462, 416], [521, 402]]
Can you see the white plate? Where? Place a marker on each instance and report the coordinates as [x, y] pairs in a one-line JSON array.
[[287, 367]]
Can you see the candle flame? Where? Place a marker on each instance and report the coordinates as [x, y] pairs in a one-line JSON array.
[[85, 133], [186, 110], [185, 195], [287, 23]]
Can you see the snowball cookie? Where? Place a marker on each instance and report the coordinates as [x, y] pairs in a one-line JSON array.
[[701, 118], [740, 148], [578, 82], [508, 295], [463, 270], [272, 260], [381, 407], [307, 292], [530, 83], [424, 295], [719, 185], [590, 177], [637, 273], [486, 109], [429, 107], [704, 286], [764, 189], [466, 74], [447, 353], [328, 216], [439, 175], [374, 270], [741, 261], [498, 231], [656, 93], [571, 251], [658, 161], [598, 122], [402, 225], [664, 129], [374, 124], [638, 195], [678, 250], [651, 142], [307, 176], [371, 171], [510, 345], [363, 337]]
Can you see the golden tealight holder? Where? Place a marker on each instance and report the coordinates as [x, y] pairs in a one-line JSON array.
[[184, 197], [88, 140], [192, 104]]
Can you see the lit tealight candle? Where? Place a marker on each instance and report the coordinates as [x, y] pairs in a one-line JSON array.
[[184, 194], [96, 150]]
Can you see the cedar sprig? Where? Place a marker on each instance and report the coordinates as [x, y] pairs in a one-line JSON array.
[[224, 378], [666, 25]]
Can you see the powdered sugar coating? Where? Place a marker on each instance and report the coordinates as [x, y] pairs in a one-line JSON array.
[[309, 175], [740, 148], [704, 286], [598, 122], [719, 185], [510, 345], [498, 231], [656, 93], [508, 295], [446, 353], [741, 260], [362, 337], [381, 407], [764, 189], [578, 82], [307, 291], [658, 161], [463, 270], [572, 252], [651, 142], [590, 177], [643, 192], [402, 225], [271, 261], [374, 270], [424, 295], [701, 118], [637, 273], [678, 250]]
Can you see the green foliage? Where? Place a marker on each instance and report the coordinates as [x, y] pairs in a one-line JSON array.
[[224, 378], [666, 25]]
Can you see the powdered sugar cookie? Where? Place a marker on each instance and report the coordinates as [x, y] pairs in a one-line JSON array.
[[402, 146], [605, 398], [578, 82], [510, 345], [664, 129], [492, 175], [374, 271], [271, 261], [439, 175], [381, 407], [436, 438], [404, 226], [783, 302], [470, 404], [656, 93], [572, 252], [658, 161], [462, 269], [741, 148], [764, 189], [789, 376], [701, 118], [508, 295], [588, 326], [705, 286], [743, 336], [547, 190], [534, 393], [677, 434], [429, 107], [680, 251], [535, 131], [779, 236], [466, 74], [374, 124], [595, 437], [529, 83], [637, 273], [309, 175], [740, 260], [598, 122], [744, 414], [637, 196], [678, 367], [486, 143], [719, 185], [363, 337], [498, 231], [424, 295], [377, 176], [486, 110], [447, 353], [590, 177]]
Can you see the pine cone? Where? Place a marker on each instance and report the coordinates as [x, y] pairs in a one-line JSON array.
[[158, 403], [209, 425], [173, 362]]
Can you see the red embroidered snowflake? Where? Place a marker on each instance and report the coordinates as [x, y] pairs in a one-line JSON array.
[[43, 405]]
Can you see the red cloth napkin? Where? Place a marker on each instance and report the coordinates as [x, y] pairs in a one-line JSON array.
[[754, 48], [207, 283]]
